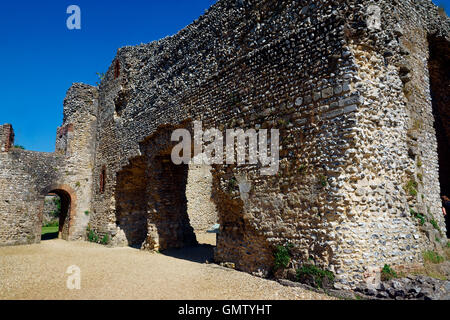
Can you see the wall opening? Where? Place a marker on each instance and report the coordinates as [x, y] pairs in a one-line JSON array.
[[439, 67], [102, 180], [131, 202], [56, 217], [168, 205], [201, 208]]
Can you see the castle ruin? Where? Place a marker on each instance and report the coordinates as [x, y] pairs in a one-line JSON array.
[[358, 90]]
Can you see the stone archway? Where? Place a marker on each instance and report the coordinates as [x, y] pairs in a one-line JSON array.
[[68, 209], [151, 204]]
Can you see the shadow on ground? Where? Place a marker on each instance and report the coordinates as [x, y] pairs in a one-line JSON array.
[[200, 253], [49, 236]]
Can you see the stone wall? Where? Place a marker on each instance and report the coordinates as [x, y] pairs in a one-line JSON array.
[[346, 83], [200, 207], [330, 82], [24, 177]]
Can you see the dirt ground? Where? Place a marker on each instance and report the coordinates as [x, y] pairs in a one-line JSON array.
[[39, 272]]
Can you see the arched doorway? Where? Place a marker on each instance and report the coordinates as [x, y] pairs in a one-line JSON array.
[[56, 215]]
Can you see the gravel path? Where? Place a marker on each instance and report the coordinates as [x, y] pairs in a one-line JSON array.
[[39, 272]]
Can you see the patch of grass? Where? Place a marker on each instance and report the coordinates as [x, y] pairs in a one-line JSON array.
[[435, 225], [411, 187], [432, 257], [318, 274], [52, 229], [282, 256], [387, 273]]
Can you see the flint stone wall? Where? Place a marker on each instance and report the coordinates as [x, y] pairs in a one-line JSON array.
[[346, 84]]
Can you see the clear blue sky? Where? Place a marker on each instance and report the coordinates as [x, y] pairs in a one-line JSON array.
[[40, 58]]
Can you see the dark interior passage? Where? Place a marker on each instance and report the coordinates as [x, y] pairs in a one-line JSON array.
[[439, 66]]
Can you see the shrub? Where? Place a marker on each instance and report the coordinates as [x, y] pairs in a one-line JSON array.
[[387, 273], [433, 257], [92, 236], [105, 239], [282, 256], [86, 212], [316, 274], [19, 147]]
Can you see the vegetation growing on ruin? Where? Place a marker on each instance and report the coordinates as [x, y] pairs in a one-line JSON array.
[[418, 216], [105, 239], [318, 275], [282, 256], [433, 257], [388, 273], [323, 180], [435, 225], [411, 187], [101, 76], [92, 235]]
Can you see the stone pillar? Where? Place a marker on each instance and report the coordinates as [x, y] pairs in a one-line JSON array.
[[6, 137]]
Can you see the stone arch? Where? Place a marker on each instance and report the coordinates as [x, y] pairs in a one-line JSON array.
[[151, 205], [68, 208]]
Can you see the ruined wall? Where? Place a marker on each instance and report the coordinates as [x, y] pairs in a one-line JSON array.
[[346, 84], [26, 177], [6, 137], [75, 140], [393, 175], [265, 65], [322, 75]]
